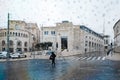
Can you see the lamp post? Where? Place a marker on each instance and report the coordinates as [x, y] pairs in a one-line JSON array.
[[33, 39], [8, 38]]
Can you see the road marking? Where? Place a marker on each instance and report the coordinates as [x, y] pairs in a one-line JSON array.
[[93, 58], [80, 58], [98, 58], [89, 58], [83, 58], [103, 58]]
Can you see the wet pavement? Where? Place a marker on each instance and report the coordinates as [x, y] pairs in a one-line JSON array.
[[65, 69]]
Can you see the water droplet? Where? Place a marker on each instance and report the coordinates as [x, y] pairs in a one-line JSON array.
[[113, 19], [55, 5], [111, 2], [90, 0], [78, 17], [80, 7], [108, 22], [48, 19], [96, 20], [74, 1], [94, 14]]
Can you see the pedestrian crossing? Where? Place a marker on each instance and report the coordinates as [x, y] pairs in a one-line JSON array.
[[91, 58]]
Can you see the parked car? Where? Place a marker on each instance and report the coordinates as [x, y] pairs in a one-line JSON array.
[[49, 52], [3, 55], [18, 55]]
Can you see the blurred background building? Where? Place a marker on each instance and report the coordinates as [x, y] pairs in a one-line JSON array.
[[22, 36], [69, 37]]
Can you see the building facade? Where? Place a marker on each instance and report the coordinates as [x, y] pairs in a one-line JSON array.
[[71, 37], [92, 41], [116, 29], [106, 42], [22, 36]]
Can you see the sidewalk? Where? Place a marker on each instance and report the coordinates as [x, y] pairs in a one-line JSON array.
[[115, 56]]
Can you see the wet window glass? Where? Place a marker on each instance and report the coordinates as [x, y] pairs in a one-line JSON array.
[[82, 37]]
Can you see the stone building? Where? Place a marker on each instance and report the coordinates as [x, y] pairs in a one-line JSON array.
[[116, 29], [22, 36], [106, 42], [71, 37]]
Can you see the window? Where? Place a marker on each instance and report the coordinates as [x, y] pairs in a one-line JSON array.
[[89, 37], [89, 44], [5, 33], [52, 32], [19, 43], [16, 34], [86, 43], [25, 44], [11, 42], [92, 44], [106, 41], [19, 34], [3, 43], [46, 33]]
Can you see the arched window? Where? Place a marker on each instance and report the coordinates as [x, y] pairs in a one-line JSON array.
[[10, 34], [11, 42], [5, 33], [13, 34], [19, 43], [25, 44], [3, 43], [16, 33]]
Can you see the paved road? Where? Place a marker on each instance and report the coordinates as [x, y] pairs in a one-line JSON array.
[[67, 68]]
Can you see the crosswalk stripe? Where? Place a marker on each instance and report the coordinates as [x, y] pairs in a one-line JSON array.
[[79, 58], [103, 58], [89, 58], [93, 58], [86, 58], [98, 58], [83, 58]]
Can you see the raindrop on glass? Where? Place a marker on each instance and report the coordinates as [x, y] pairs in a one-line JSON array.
[[80, 7], [108, 22]]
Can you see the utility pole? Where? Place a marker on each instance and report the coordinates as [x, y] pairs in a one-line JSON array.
[[8, 38]]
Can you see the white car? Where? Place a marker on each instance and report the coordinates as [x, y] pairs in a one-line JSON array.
[[17, 55], [3, 55]]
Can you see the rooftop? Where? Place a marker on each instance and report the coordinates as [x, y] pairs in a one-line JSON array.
[[90, 31]]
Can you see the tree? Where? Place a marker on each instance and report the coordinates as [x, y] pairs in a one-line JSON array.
[[43, 46], [47, 45], [37, 46]]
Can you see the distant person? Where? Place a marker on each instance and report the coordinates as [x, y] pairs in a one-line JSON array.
[[52, 57]]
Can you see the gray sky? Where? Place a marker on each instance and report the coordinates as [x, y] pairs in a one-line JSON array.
[[92, 13]]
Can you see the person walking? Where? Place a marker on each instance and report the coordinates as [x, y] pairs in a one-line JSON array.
[[52, 57]]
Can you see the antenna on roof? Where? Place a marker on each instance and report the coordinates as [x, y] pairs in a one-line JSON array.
[[103, 24]]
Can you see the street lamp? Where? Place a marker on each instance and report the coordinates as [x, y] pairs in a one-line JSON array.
[[33, 39], [8, 38]]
